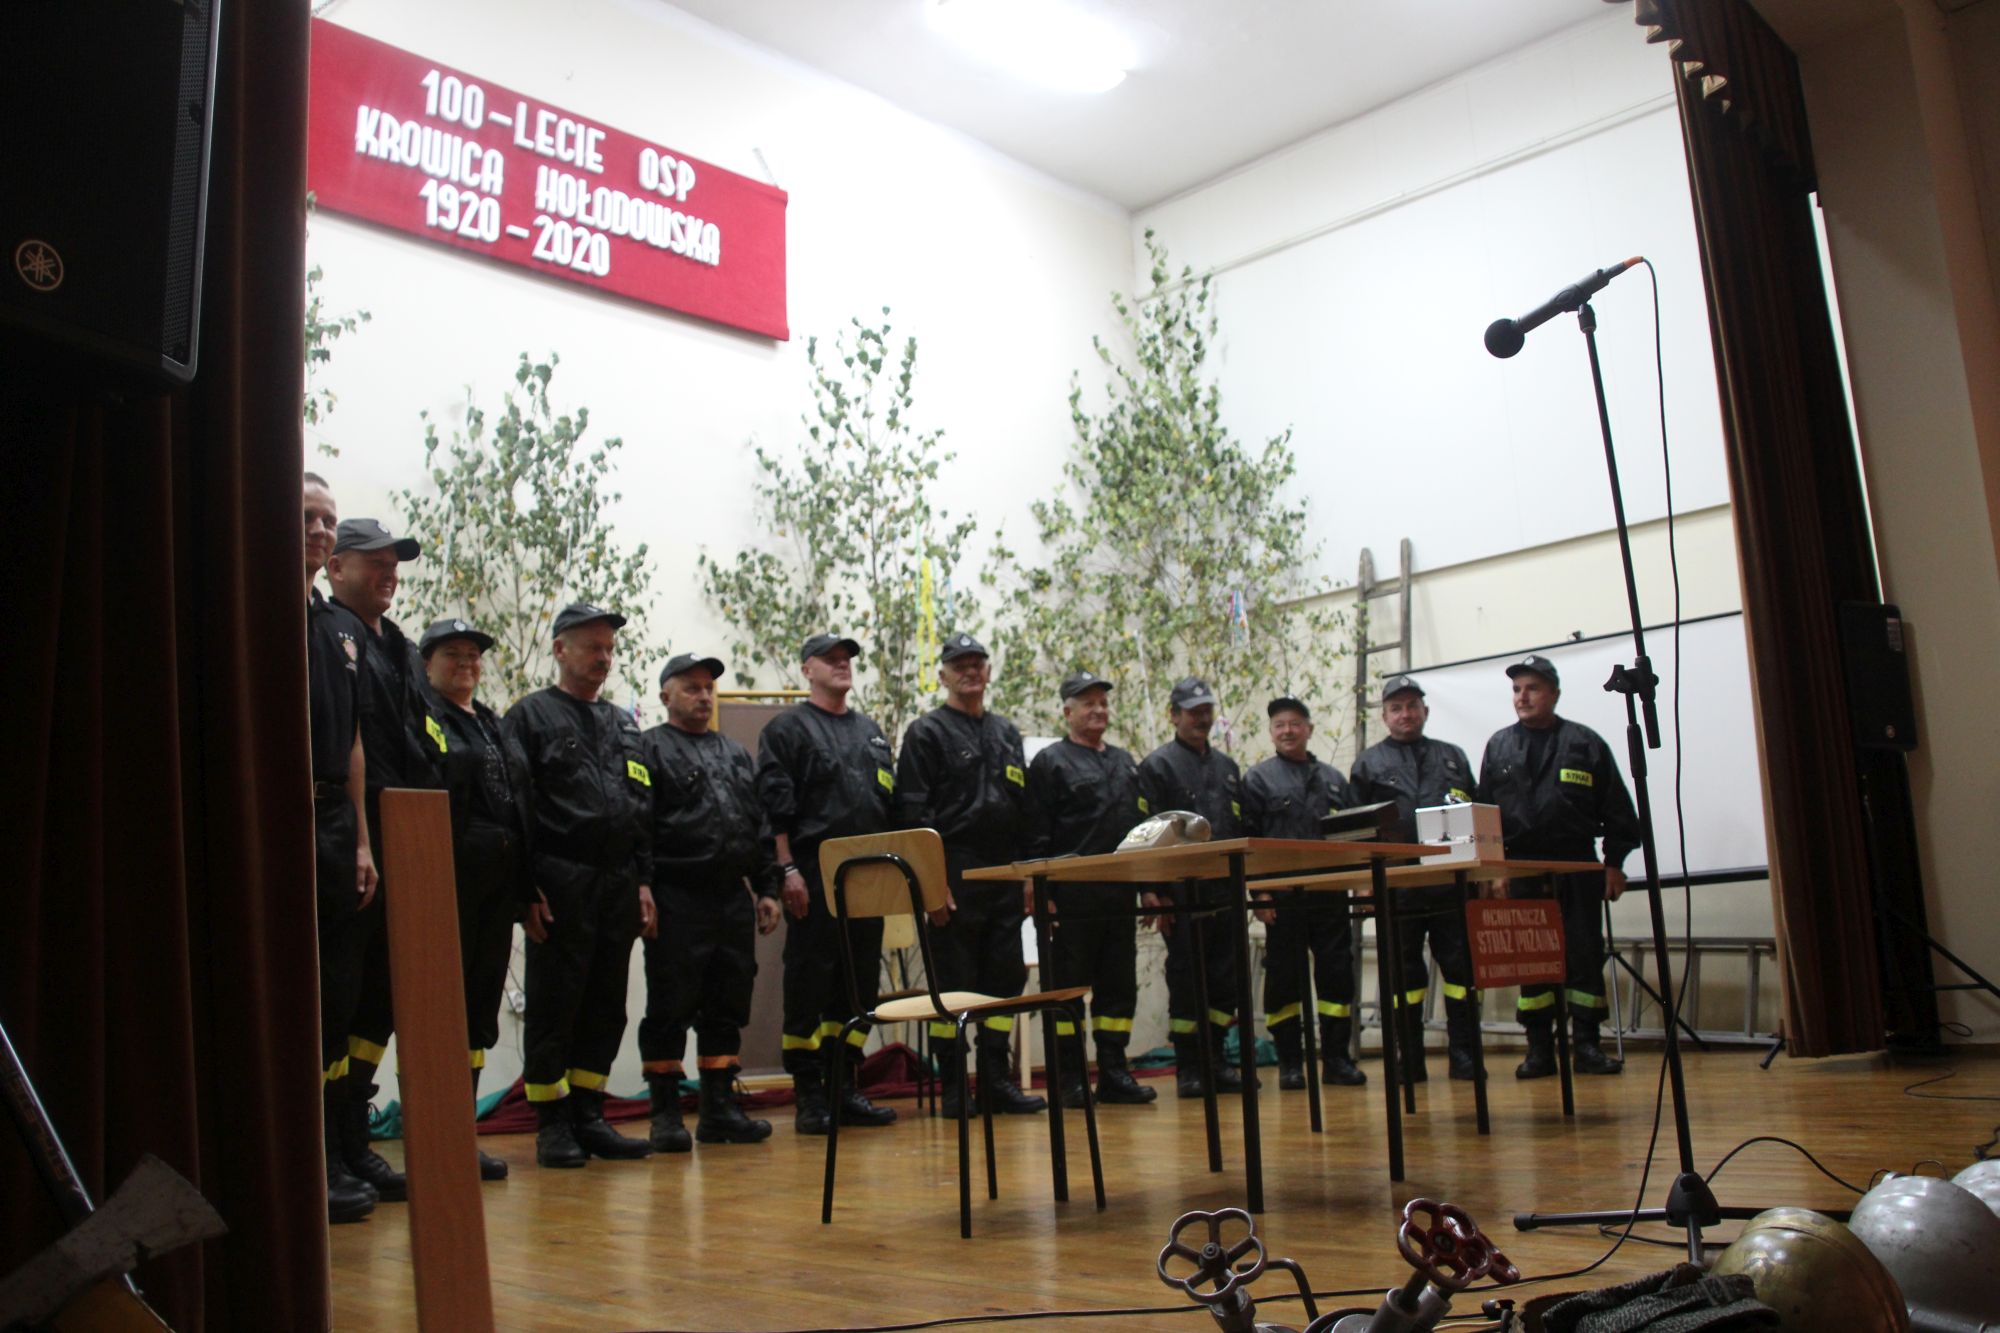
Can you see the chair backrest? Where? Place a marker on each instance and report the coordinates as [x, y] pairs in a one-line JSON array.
[[879, 889]]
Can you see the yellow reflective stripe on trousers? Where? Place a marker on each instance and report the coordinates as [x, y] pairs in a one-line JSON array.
[[1411, 997], [337, 1070], [792, 1043], [858, 1038], [998, 1023], [1530, 1002], [1103, 1024], [588, 1080], [1454, 991], [1181, 1026], [360, 1048], [830, 1029], [1065, 1028], [1586, 999], [547, 1092], [1221, 1018], [1333, 1009], [1287, 1014], [478, 1060], [944, 1030]]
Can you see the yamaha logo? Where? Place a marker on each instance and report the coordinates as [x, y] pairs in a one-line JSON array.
[[38, 264]]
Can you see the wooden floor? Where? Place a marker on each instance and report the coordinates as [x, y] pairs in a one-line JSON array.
[[729, 1237]]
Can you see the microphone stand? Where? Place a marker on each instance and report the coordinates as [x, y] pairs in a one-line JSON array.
[[1690, 1203]]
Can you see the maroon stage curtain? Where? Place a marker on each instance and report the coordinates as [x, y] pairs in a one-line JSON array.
[[1795, 488], [157, 966]]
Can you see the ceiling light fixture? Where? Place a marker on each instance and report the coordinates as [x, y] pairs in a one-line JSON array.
[[1045, 41]]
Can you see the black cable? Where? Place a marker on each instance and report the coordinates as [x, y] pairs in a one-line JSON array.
[[1911, 1091], [1800, 1150]]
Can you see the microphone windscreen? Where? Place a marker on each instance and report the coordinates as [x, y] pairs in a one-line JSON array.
[[1504, 338]]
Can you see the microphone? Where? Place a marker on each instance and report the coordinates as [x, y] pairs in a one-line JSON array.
[[1504, 337]]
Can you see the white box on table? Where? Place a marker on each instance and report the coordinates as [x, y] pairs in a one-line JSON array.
[[1471, 830]]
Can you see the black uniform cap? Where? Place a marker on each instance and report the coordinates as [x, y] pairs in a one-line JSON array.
[[1538, 664], [368, 534], [819, 645], [1285, 703], [687, 662], [1191, 692], [961, 645], [583, 613], [439, 631], [1395, 685], [1078, 681]]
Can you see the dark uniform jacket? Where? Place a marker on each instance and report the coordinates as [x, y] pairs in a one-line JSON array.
[[592, 789], [1559, 808], [492, 802], [1413, 774], [1285, 799], [336, 644], [708, 824], [1081, 802], [1174, 777], [966, 777], [393, 710], [824, 775]]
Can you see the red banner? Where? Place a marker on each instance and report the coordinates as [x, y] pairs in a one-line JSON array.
[[1515, 942], [430, 150]]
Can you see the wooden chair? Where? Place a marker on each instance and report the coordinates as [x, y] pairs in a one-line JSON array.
[[903, 874]]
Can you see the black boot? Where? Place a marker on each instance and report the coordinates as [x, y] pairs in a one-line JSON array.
[[855, 1108], [362, 1160], [1003, 1094], [1074, 1071], [1188, 1081], [667, 1133], [1541, 1057], [1586, 1056], [1115, 1084], [1461, 1019], [594, 1133], [348, 1198], [1291, 1044], [809, 1114], [722, 1120], [1410, 1042], [1336, 1066], [490, 1168], [555, 1138], [1228, 1078]]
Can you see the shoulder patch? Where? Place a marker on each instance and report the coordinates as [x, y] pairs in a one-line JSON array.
[[886, 778], [435, 732], [1016, 776], [1145, 806], [638, 772], [1236, 808], [1581, 777]]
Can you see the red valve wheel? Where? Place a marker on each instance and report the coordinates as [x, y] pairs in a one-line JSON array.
[[1214, 1261], [1444, 1244]]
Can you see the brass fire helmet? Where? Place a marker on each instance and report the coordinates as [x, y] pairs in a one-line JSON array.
[[1940, 1242], [1815, 1273], [1983, 1179]]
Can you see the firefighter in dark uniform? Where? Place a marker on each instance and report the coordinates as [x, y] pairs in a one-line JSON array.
[[363, 573], [716, 885], [343, 864], [492, 819], [1285, 797], [1083, 798], [1187, 774], [593, 867], [1413, 770], [963, 772], [825, 771], [1559, 792]]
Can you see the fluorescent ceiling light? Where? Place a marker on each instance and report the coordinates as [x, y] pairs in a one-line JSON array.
[[1046, 41]]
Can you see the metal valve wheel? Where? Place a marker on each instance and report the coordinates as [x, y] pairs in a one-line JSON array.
[[1214, 1262], [1444, 1244]]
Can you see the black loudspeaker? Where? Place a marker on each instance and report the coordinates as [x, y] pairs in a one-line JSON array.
[[1878, 676], [107, 106]]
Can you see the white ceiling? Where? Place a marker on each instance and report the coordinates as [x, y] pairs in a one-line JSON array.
[[1217, 83]]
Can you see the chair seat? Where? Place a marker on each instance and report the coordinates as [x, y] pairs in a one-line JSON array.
[[956, 1002]]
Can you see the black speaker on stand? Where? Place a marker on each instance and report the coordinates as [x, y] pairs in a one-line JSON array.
[[107, 107]]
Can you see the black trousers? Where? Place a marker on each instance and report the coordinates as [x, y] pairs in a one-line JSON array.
[[979, 949], [490, 872], [1101, 952], [1436, 913], [699, 974], [576, 978], [1582, 899], [1323, 928], [335, 849], [817, 1002], [1218, 941], [375, 1005]]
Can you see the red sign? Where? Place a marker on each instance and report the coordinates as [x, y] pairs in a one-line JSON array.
[[430, 150], [1515, 942]]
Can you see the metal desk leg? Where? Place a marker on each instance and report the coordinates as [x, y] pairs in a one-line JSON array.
[[1308, 1011], [1406, 1063], [1385, 950], [1186, 897], [1562, 1049], [1485, 1121], [1246, 1040], [1045, 953]]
